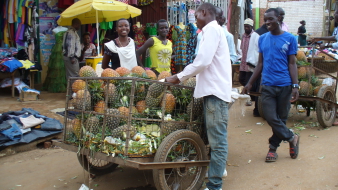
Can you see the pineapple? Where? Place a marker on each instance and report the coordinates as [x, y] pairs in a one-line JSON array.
[[96, 90], [191, 82], [151, 74], [110, 73], [197, 109], [301, 56], [138, 71], [76, 127], [82, 100], [302, 72], [305, 88], [163, 74], [141, 106], [125, 112], [121, 132], [169, 127], [100, 106], [152, 102], [71, 103], [315, 81], [123, 71], [92, 124], [156, 90], [111, 92], [87, 71], [113, 122], [78, 85], [170, 103]]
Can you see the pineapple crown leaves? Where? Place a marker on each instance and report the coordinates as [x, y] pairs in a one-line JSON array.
[[95, 90]]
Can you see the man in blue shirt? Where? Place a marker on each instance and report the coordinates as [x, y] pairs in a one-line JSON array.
[[277, 65]]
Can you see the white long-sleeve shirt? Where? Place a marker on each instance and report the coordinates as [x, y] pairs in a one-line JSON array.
[[253, 54], [212, 65]]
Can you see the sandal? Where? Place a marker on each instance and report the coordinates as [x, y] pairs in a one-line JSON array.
[[294, 150], [271, 157]]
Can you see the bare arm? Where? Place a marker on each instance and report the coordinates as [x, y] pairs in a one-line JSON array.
[[255, 75], [294, 77], [143, 49], [326, 38], [105, 61]]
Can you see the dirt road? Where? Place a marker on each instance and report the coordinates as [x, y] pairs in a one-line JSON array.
[[315, 168]]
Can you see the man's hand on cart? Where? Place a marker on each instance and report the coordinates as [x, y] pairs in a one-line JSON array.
[[173, 79], [294, 95], [246, 89]]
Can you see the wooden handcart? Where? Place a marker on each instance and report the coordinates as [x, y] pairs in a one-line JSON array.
[[174, 148]]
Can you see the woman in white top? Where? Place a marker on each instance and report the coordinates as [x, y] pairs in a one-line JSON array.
[[88, 49], [121, 51]]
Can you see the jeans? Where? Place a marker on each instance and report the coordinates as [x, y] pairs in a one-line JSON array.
[[216, 121], [276, 106]]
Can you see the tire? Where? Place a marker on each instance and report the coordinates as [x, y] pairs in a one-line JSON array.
[[260, 107], [95, 166], [180, 178], [326, 113]]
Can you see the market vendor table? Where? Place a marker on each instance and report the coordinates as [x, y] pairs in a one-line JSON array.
[[11, 75]]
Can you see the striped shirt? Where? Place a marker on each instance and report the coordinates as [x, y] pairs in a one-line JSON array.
[[71, 43]]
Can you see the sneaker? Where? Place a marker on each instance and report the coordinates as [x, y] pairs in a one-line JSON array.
[[225, 173]]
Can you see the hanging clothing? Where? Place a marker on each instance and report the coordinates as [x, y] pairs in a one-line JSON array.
[[151, 29], [170, 37], [56, 75], [160, 55], [192, 42], [140, 39], [180, 47]]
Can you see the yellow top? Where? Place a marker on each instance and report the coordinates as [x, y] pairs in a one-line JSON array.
[[160, 55]]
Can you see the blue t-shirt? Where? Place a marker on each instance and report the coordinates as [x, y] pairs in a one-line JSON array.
[[276, 50]]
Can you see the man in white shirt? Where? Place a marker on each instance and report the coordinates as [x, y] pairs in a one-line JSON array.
[[212, 68], [230, 38]]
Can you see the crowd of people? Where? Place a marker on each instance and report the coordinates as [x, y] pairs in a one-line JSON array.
[[267, 65]]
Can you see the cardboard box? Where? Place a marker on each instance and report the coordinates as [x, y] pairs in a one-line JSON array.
[[28, 96]]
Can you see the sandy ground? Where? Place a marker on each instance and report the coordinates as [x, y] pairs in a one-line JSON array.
[[315, 168]]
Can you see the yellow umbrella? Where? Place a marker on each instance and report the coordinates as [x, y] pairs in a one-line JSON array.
[[86, 11], [95, 11]]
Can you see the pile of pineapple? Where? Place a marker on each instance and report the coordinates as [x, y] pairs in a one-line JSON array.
[[105, 104], [309, 83]]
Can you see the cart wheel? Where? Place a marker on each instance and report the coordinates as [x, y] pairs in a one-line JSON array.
[[326, 113], [260, 107], [95, 166], [179, 146]]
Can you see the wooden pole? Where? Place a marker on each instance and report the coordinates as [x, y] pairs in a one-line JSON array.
[[234, 22]]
